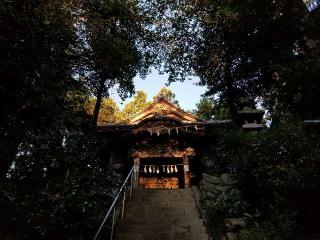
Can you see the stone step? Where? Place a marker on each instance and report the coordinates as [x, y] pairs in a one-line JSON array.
[[159, 218], [161, 236], [161, 214], [161, 229], [132, 225]]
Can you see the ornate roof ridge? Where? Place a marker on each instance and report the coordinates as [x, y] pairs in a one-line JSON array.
[[167, 102]]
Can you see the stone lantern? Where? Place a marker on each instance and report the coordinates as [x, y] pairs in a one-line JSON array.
[[250, 119]]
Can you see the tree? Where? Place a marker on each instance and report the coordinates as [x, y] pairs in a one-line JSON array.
[[135, 106], [109, 110], [167, 94], [277, 171], [55, 55], [260, 49], [140, 102], [56, 173], [208, 109], [38, 46], [115, 33], [56, 189], [178, 33], [245, 50], [204, 109]]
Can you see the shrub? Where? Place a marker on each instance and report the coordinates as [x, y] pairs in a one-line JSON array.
[[278, 172]]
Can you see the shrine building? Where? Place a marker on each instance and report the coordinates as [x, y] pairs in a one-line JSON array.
[[164, 143]]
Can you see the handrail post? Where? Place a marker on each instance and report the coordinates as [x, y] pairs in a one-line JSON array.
[[112, 209], [131, 185], [123, 200], [135, 178], [113, 219]]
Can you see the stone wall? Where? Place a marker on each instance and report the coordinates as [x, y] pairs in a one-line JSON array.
[[213, 185]]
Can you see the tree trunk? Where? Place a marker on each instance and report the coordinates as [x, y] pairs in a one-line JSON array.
[[97, 106], [231, 94]]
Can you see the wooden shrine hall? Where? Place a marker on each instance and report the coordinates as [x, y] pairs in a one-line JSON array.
[[161, 142], [164, 144]]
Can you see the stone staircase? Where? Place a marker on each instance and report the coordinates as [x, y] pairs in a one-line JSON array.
[[161, 215]]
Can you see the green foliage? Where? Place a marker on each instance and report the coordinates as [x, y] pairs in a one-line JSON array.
[[254, 233], [55, 53], [225, 204], [204, 109], [114, 37], [260, 49], [109, 110], [138, 104], [38, 43], [278, 174], [228, 203], [59, 188], [245, 50], [168, 94], [209, 109], [175, 34]]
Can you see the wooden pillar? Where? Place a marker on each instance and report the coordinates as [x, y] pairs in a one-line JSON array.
[[136, 166], [186, 172]]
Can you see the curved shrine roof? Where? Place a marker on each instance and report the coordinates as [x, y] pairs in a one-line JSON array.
[[162, 108], [160, 114]]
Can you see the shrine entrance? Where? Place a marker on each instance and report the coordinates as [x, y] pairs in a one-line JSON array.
[[165, 173], [167, 169]]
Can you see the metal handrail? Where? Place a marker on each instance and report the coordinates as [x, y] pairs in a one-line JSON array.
[[113, 205]]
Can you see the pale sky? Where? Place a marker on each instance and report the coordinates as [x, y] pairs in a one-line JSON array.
[[187, 93]]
